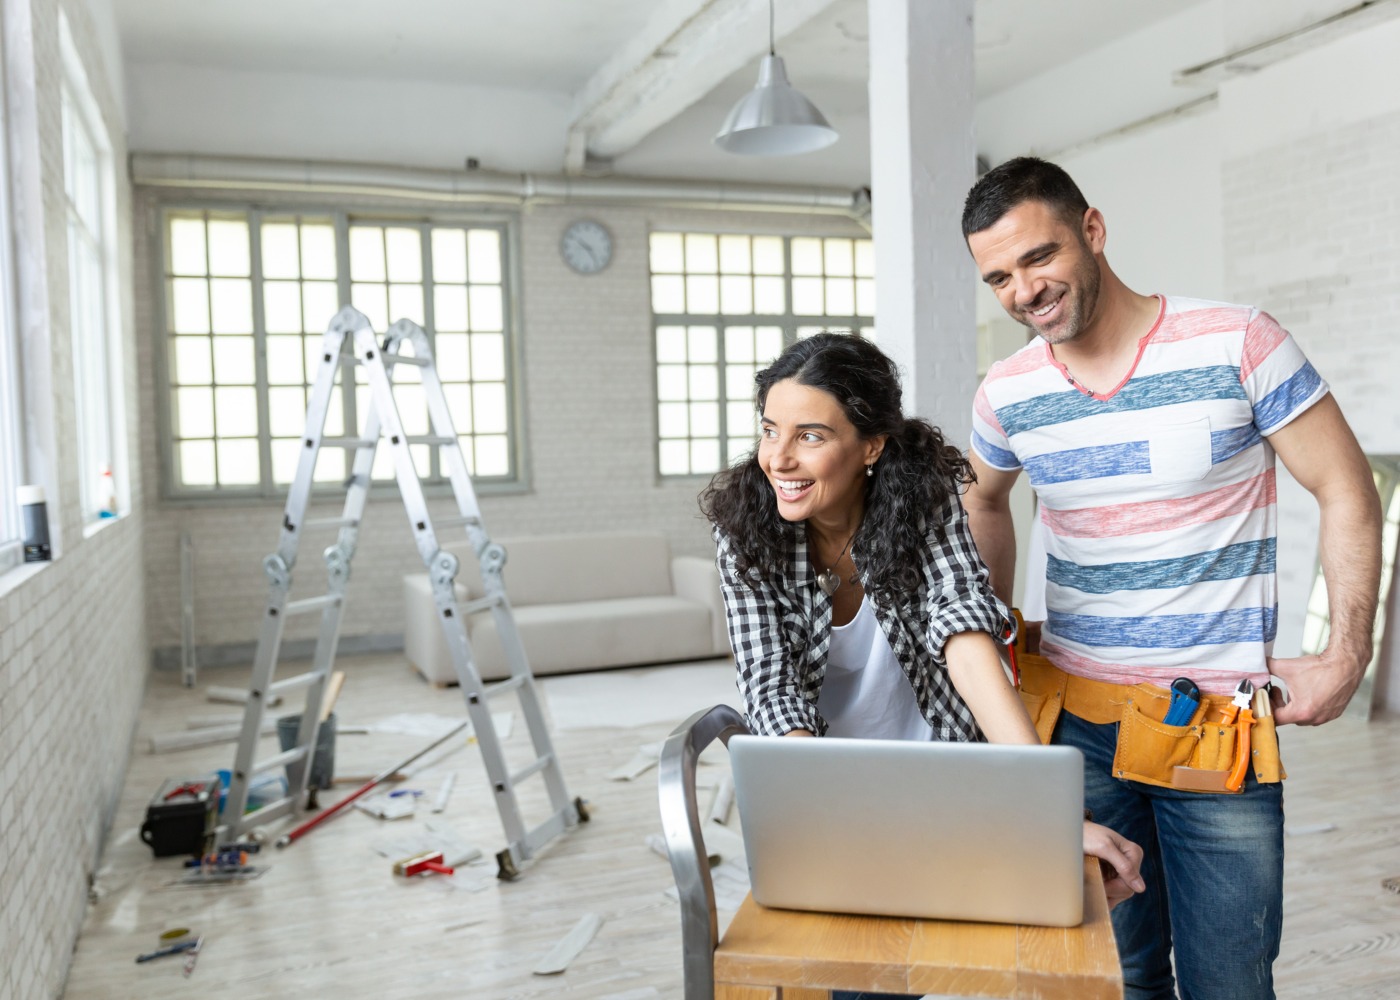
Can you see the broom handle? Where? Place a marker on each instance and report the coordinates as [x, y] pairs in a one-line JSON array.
[[311, 824]]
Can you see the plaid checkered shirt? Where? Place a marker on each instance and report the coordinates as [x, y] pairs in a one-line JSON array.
[[780, 631]]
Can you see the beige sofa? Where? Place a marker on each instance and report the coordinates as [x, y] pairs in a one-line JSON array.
[[581, 602]]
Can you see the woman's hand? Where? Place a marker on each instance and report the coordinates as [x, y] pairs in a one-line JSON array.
[[1119, 859]]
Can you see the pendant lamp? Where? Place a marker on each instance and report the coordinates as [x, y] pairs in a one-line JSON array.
[[773, 119]]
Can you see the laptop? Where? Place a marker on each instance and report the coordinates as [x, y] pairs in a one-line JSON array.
[[951, 831]]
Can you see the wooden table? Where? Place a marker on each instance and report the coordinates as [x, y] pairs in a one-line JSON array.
[[784, 955]]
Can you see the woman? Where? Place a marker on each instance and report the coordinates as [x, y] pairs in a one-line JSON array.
[[857, 603]]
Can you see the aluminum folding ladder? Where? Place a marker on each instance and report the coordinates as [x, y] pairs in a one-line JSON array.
[[350, 341]]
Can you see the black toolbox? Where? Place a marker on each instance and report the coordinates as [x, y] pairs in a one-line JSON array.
[[182, 816]]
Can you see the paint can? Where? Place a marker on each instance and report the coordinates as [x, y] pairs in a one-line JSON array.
[[323, 760]]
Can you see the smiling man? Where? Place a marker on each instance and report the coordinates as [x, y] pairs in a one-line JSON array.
[[1148, 426]]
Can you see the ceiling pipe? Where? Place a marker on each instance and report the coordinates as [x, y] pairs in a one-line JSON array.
[[171, 170]]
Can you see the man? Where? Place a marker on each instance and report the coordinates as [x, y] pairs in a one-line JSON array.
[[1148, 427]]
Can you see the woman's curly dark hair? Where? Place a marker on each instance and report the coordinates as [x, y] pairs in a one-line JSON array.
[[915, 476]]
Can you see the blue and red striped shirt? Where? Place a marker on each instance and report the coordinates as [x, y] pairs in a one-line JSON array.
[[1158, 500]]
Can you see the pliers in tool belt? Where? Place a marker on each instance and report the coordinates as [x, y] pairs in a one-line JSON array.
[[1238, 714]]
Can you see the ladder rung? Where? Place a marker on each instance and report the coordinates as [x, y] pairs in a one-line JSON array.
[[432, 439], [455, 521], [504, 686], [310, 604], [266, 814], [280, 760], [332, 522], [529, 769], [344, 442], [298, 681], [544, 833], [480, 604], [404, 359]]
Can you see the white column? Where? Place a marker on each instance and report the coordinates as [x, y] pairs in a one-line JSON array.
[[923, 160]]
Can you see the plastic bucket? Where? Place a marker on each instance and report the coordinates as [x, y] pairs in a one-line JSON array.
[[262, 790], [323, 760]]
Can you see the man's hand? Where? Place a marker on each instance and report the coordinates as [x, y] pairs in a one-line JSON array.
[[1119, 858], [1319, 688]]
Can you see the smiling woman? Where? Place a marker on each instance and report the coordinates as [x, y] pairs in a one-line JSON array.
[[848, 512], [856, 601]]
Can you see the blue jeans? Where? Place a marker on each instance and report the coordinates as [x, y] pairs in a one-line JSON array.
[[1213, 865]]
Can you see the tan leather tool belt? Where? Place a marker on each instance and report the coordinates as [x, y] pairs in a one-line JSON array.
[[1194, 757]]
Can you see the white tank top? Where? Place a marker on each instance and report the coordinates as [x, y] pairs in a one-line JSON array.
[[865, 693]]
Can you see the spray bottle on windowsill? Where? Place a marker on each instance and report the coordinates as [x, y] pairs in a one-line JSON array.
[[108, 492]]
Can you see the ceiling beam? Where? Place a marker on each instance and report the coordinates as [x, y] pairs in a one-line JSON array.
[[683, 52]]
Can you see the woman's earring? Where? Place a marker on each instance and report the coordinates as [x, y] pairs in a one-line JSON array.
[[870, 470]]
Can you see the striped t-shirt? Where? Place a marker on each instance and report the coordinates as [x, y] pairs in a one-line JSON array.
[[1158, 502]]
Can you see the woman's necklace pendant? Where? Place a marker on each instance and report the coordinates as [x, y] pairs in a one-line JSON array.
[[828, 579]]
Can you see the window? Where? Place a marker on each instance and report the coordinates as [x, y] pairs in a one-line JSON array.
[[244, 333], [10, 445], [724, 306], [95, 332]]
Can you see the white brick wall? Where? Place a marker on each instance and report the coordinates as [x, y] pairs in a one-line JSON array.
[[1311, 235], [73, 645], [588, 365]]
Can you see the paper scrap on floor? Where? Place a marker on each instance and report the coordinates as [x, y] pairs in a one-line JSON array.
[[642, 761], [455, 851], [569, 946], [385, 806], [731, 882]]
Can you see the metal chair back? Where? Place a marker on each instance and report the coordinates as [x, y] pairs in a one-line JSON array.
[[685, 843]]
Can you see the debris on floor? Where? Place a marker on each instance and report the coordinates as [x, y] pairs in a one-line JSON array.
[[569, 946], [440, 800], [722, 802], [731, 884], [642, 761], [456, 852], [237, 696], [657, 843], [388, 805]]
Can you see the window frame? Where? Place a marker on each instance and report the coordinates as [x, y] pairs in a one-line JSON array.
[[11, 437], [342, 219], [788, 322], [100, 429]]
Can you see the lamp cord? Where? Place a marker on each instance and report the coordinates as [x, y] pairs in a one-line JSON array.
[[771, 49]]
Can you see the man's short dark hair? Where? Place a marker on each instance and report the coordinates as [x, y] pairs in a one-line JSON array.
[[1025, 178]]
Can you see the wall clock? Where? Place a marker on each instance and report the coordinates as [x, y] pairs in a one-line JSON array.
[[586, 246]]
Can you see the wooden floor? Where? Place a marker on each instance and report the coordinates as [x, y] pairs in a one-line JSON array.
[[329, 916]]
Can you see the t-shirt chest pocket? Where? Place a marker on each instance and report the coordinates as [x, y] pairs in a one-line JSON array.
[[1180, 453]]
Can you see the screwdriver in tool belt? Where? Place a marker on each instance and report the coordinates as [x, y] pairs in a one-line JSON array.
[[1238, 713]]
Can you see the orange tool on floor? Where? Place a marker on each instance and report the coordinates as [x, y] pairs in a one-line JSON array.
[[1238, 713]]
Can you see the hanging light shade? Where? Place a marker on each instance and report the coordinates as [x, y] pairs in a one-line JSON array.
[[773, 119]]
